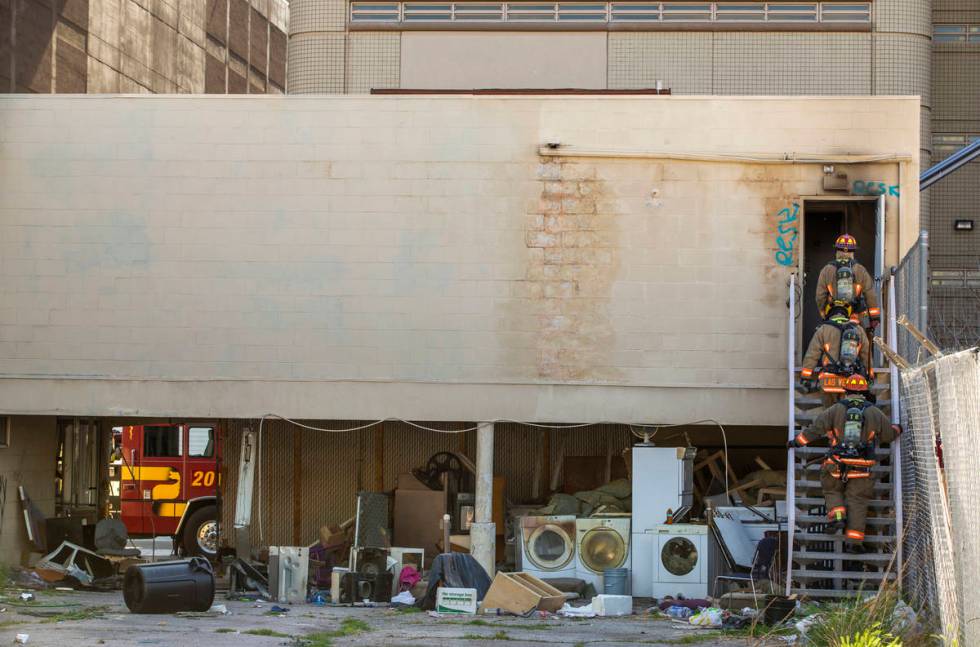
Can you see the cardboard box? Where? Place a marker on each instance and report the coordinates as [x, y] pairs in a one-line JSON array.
[[519, 593], [418, 515], [455, 600]]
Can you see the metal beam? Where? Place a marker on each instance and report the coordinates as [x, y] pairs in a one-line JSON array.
[[949, 165]]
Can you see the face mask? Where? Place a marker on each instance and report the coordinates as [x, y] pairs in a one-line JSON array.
[[844, 255]]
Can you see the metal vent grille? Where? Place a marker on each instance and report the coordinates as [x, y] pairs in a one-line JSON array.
[[617, 12]]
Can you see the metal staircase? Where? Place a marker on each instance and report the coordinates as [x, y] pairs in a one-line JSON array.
[[817, 566]]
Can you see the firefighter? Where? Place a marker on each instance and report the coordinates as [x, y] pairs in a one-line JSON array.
[[839, 348], [854, 426], [847, 280]]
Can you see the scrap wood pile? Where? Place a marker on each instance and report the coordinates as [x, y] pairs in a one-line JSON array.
[[757, 487]]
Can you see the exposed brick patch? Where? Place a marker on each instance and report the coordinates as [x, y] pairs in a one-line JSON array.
[[570, 273]]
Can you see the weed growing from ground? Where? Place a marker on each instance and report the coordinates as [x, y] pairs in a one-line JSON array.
[[266, 632], [348, 627]]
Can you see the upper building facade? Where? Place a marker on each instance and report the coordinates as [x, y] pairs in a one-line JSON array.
[[831, 47], [143, 46]]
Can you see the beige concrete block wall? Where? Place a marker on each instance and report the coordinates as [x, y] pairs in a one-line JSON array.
[[448, 60], [28, 461], [412, 256]]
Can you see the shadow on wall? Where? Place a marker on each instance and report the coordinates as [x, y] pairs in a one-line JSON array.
[[31, 44]]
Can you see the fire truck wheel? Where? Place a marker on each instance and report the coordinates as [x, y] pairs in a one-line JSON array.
[[201, 532]]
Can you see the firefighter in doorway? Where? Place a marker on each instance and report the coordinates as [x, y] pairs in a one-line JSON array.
[[854, 427], [847, 280], [839, 348]]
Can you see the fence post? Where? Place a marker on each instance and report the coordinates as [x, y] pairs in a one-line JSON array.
[[923, 286]]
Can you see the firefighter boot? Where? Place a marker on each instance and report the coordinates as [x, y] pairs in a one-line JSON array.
[[857, 493]]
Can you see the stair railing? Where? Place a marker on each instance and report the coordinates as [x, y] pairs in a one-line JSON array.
[[896, 447], [791, 431]]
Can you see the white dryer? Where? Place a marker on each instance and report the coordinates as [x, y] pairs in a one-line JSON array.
[[601, 543], [547, 545], [682, 561]]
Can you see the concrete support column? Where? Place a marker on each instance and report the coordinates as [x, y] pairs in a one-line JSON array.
[[483, 541]]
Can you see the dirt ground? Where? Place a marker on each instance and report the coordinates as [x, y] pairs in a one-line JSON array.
[[102, 619]]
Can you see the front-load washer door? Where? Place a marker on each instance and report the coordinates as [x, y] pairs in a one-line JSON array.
[[680, 559], [550, 547], [601, 548]]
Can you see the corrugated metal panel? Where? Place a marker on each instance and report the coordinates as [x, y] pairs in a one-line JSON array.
[[517, 453], [330, 476], [407, 447], [335, 466]]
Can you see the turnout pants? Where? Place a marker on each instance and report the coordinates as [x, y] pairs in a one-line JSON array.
[[848, 500]]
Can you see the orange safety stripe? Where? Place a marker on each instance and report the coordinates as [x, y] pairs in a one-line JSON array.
[[854, 534], [874, 312], [851, 475], [833, 511], [871, 436], [857, 462], [806, 372], [801, 439], [826, 347], [857, 290], [830, 288]]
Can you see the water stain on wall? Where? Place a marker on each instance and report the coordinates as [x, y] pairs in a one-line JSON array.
[[569, 275]]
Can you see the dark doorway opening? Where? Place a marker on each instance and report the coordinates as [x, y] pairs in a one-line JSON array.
[[823, 222]]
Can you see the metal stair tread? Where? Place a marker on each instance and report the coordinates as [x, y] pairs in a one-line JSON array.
[[815, 555], [805, 574], [814, 467], [806, 537], [879, 451], [881, 487], [819, 500], [831, 593], [821, 519], [879, 370]]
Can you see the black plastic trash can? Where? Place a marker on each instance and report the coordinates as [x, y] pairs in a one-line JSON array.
[[168, 587]]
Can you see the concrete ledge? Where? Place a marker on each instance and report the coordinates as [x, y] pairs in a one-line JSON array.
[[378, 400]]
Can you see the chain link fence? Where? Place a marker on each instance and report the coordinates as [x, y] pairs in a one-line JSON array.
[[912, 296], [941, 414]]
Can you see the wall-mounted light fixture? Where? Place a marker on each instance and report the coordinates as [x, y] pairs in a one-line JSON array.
[[963, 225]]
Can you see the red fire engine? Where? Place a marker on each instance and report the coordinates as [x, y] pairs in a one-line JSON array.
[[168, 484]]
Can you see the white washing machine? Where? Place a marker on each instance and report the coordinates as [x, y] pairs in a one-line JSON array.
[[547, 546], [682, 561], [601, 543]]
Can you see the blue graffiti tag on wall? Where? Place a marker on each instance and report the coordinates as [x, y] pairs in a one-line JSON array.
[[861, 187], [788, 233]]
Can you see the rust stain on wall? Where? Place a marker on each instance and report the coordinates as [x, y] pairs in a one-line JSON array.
[[569, 277]]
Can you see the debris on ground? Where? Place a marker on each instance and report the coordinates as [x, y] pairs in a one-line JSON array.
[[73, 563], [21, 639], [404, 598], [709, 617], [568, 611]]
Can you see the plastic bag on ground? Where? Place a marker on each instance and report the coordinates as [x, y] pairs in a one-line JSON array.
[[710, 617], [405, 597]]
